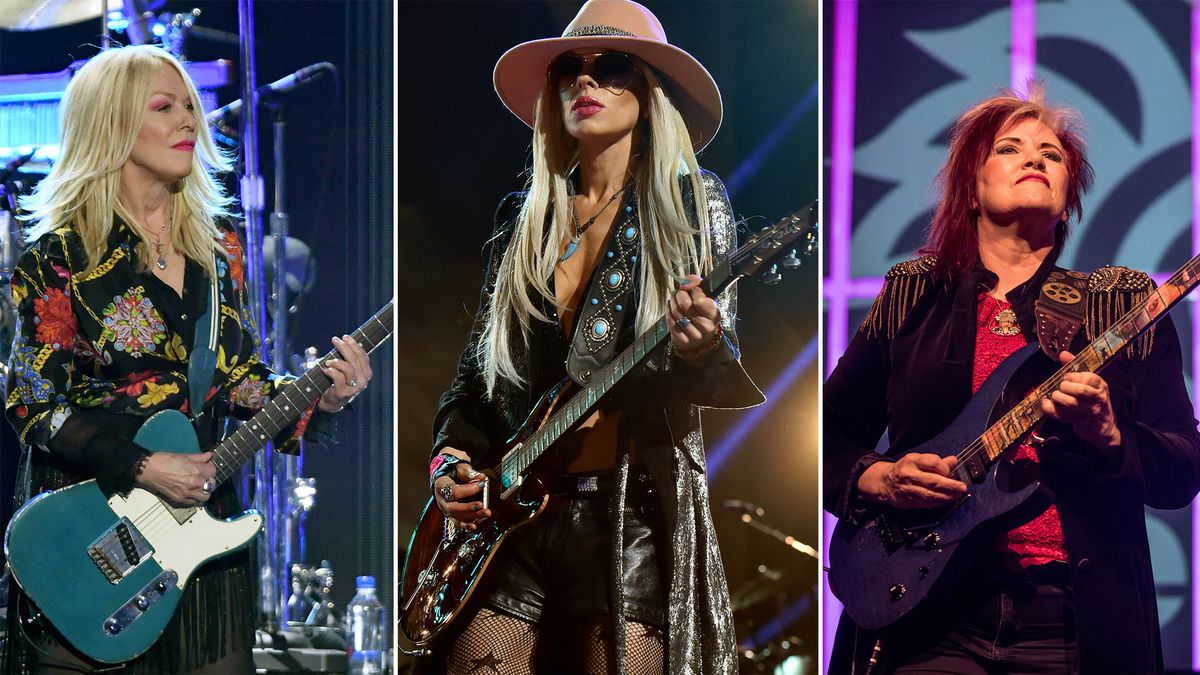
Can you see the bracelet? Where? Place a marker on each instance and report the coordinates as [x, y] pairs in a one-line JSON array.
[[444, 464], [693, 358]]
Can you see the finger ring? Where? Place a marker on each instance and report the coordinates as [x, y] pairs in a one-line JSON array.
[[683, 323], [352, 382], [209, 485], [447, 492]]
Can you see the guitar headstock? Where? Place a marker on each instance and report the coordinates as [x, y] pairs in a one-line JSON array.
[[782, 244]]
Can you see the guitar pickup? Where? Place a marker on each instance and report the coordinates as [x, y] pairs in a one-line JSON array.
[[973, 467], [119, 550], [510, 488]]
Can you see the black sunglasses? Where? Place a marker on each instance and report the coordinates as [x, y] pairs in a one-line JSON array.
[[612, 70]]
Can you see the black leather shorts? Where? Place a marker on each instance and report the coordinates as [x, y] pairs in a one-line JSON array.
[[558, 566]]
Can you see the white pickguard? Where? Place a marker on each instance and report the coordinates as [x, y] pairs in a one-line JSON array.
[[184, 547]]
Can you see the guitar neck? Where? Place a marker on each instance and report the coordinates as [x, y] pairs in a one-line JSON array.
[[565, 418], [1015, 424], [291, 400], [758, 252]]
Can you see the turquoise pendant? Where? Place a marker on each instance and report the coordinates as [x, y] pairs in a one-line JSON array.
[[571, 246]]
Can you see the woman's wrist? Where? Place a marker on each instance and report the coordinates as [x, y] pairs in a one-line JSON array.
[[696, 355], [444, 464], [332, 408], [139, 467]]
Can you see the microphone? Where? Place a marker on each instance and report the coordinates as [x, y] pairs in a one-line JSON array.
[[16, 163], [743, 507], [271, 91]]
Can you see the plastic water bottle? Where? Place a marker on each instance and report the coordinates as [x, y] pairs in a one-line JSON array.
[[364, 629]]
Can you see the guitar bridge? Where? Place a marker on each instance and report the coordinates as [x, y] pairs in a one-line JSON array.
[[119, 550], [890, 536]]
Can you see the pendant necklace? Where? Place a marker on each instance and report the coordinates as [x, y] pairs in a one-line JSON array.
[[1004, 323], [159, 247], [580, 229]]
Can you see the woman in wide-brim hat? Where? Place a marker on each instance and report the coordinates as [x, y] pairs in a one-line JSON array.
[[611, 236]]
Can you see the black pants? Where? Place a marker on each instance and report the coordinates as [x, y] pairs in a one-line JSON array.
[[1001, 624]]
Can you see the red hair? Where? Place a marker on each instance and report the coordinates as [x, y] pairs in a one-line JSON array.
[[952, 236]]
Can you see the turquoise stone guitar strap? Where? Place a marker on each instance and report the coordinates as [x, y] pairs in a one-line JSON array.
[[202, 362], [609, 297]]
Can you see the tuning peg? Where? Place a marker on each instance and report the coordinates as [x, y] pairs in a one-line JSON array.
[[772, 276], [790, 262]]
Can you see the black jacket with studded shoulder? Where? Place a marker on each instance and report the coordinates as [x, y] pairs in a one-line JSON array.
[[908, 371]]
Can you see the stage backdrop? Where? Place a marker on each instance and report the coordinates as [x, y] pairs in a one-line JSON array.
[[898, 73], [461, 151]]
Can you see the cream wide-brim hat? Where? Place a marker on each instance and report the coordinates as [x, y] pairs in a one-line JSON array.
[[614, 25]]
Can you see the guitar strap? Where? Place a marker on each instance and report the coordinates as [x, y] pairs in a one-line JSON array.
[[609, 298], [202, 361], [1059, 310]]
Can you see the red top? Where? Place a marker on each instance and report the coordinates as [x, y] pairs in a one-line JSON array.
[[1039, 541]]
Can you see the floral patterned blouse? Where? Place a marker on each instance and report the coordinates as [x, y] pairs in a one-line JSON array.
[[97, 351]]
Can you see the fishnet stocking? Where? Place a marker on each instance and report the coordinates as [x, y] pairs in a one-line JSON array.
[[493, 644], [645, 651]]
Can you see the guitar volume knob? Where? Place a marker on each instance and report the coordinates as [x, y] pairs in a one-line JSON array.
[[897, 591]]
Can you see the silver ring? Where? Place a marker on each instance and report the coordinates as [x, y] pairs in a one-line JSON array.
[[683, 323], [209, 486], [447, 492], [353, 383]]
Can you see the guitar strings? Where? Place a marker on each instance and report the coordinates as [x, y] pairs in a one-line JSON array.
[[526, 454], [158, 518], [1027, 405]]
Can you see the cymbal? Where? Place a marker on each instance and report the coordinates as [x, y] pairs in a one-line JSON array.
[[39, 14]]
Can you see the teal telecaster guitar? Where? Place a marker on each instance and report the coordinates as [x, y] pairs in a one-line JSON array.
[[108, 572]]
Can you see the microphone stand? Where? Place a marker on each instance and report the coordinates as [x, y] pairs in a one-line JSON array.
[[288, 543], [252, 205]]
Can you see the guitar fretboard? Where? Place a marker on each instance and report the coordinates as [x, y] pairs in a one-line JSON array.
[[1016, 423], [563, 419], [291, 400]]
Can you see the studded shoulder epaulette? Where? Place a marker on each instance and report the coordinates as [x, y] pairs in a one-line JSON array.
[[1112, 291], [903, 285], [1117, 278], [910, 268]]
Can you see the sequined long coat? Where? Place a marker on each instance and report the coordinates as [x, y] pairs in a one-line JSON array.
[[700, 636]]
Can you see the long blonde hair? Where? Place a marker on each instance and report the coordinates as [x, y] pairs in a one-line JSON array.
[[101, 115], [670, 245]]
